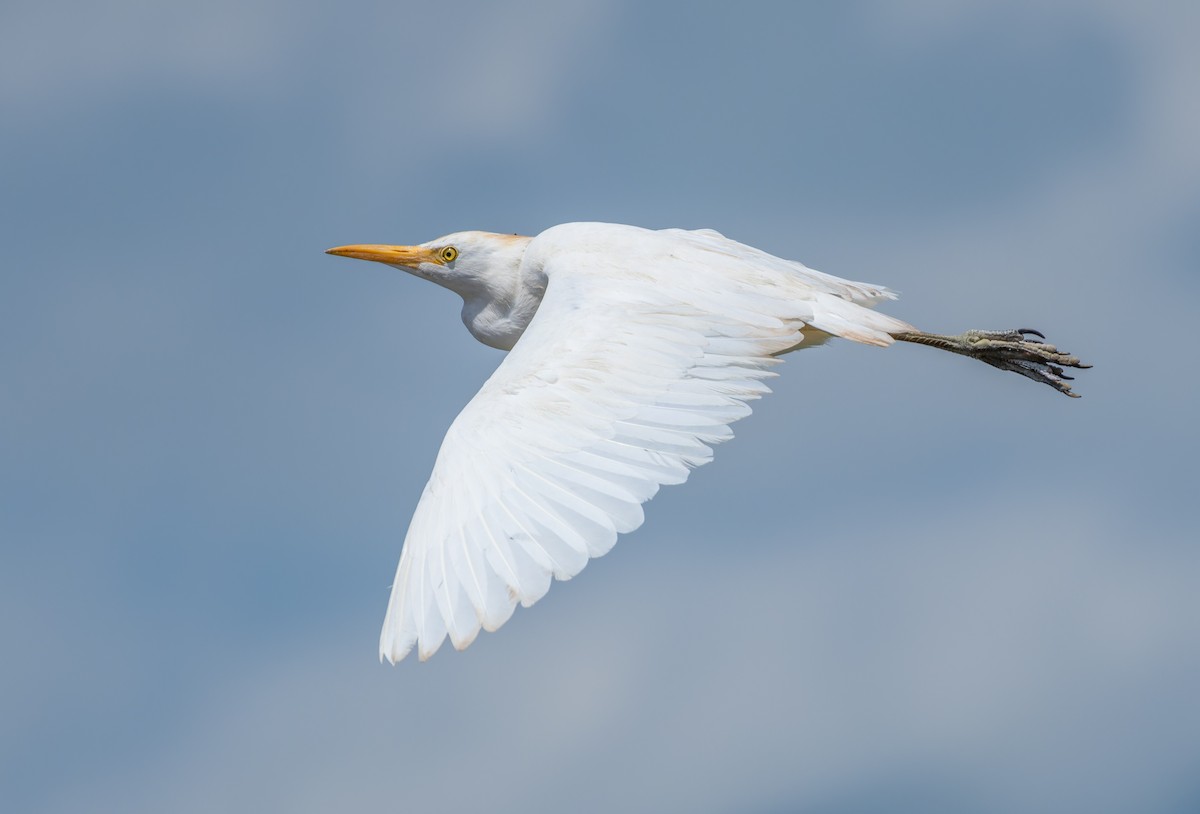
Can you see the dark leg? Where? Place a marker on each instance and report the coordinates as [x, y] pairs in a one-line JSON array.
[[1007, 350]]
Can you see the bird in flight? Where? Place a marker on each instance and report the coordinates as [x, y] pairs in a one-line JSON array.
[[631, 351]]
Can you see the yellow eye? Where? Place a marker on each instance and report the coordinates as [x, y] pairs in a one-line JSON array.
[[449, 254]]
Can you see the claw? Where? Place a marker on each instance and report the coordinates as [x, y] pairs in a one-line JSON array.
[[1009, 350]]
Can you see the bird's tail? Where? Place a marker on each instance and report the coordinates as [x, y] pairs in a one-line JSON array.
[[830, 315]]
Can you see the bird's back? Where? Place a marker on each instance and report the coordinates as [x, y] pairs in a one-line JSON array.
[[705, 269]]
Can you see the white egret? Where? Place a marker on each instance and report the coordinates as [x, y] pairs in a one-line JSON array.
[[632, 351]]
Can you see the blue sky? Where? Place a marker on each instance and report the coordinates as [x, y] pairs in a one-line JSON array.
[[911, 583]]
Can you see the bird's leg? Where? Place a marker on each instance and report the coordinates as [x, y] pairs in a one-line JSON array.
[[1007, 350]]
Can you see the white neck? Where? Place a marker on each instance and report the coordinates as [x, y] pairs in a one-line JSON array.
[[497, 310]]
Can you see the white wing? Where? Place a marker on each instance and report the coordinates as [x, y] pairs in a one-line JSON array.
[[645, 349]]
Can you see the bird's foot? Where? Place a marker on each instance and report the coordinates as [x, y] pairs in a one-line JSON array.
[[1014, 350]]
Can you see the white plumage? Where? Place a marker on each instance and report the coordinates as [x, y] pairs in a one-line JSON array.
[[632, 353]]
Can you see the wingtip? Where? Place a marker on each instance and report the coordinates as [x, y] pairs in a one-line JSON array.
[[393, 649]]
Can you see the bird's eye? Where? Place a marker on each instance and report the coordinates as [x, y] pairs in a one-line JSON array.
[[449, 254]]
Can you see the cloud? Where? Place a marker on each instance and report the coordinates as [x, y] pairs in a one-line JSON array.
[[58, 62], [464, 77], [466, 71], [1155, 36], [985, 663]]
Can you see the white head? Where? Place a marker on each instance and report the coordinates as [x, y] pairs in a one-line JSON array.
[[469, 263], [484, 268]]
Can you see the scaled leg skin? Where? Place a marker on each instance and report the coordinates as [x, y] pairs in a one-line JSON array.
[[1007, 350]]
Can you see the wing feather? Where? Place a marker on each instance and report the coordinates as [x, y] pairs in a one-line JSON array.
[[646, 347]]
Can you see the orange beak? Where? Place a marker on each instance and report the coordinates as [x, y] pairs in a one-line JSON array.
[[408, 256]]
